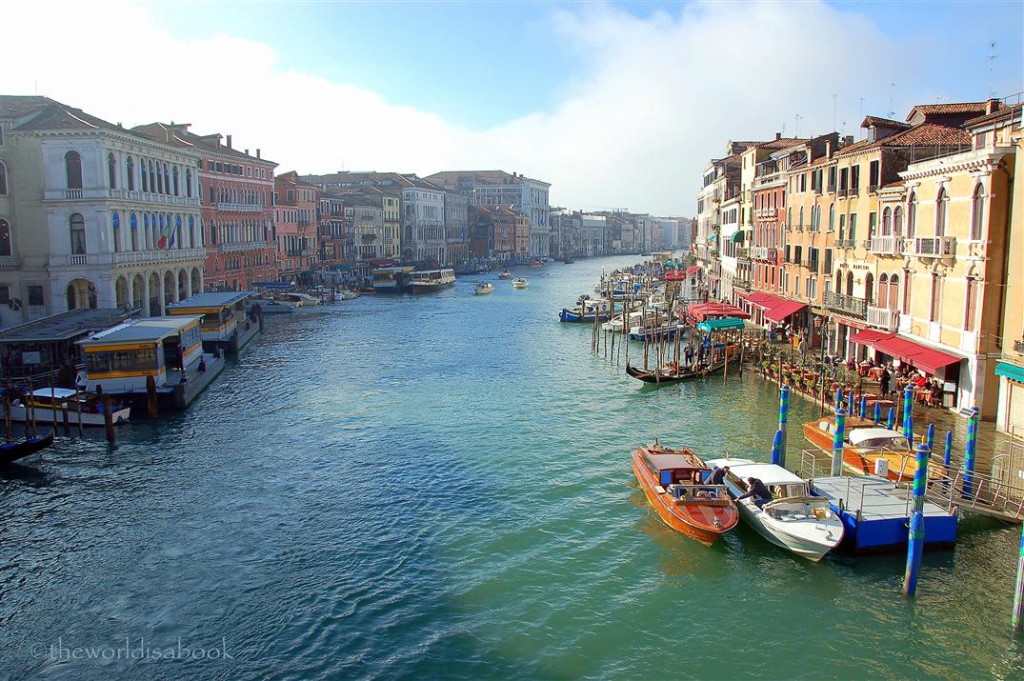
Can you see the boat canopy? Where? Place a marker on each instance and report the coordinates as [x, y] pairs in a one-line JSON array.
[[57, 393], [672, 462], [723, 324], [875, 437], [768, 473]]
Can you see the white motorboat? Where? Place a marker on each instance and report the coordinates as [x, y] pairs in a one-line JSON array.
[[46, 405], [520, 282], [795, 519], [483, 288]]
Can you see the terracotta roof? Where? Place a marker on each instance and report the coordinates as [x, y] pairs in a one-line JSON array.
[[16, 106], [782, 143], [1005, 111], [952, 108], [925, 134], [179, 135], [879, 122]]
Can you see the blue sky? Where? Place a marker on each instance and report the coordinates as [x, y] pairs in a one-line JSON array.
[[617, 104]]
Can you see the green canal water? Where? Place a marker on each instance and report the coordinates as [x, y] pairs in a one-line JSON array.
[[439, 488]]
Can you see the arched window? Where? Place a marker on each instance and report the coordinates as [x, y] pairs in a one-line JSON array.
[[129, 166], [911, 215], [883, 290], [112, 170], [832, 217], [977, 213], [174, 172], [970, 304], [145, 175], [894, 292], [839, 282], [897, 221], [77, 234], [188, 183], [133, 225], [73, 169], [936, 306], [941, 208], [3, 179], [115, 223], [5, 238], [886, 223], [160, 179], [192, 231], [800, 225]]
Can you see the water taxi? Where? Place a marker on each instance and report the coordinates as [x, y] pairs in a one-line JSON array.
[[520, 282], [505, 274], [673, 482], [869, 448], [483, 288], [424, 281], [588, 310]]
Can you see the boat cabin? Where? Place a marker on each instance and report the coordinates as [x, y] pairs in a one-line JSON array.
[[780, 482], [878, 438], [225, 323], [122, 358], [680, 474]]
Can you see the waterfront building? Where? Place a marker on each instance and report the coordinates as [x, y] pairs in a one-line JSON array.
[[565, 233], [236, 191], [506, 230], [1010, 367], [720, 192], [423, 225], [768, 192], [333, 240], [295, 209], [496, 188], [92, 215], [954, 260], [456, 227], [593, 235]]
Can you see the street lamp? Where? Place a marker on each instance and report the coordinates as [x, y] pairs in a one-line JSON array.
[[826, 331]]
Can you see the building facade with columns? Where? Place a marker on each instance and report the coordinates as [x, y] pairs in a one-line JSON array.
[[93, 215]]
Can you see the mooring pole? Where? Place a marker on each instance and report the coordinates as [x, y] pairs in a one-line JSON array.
[[783, 421], [915, 545], [837, 443], [1018, 594], [970, 450], [908, 414]]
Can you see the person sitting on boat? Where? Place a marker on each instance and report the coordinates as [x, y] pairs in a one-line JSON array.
[[758, 490], [718, 475]]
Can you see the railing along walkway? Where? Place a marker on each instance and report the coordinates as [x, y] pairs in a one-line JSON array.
[[977, 493]]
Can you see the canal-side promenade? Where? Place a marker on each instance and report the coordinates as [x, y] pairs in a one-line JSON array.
[[449, 496]]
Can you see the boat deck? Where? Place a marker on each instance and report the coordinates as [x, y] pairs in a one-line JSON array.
[[877, 511]]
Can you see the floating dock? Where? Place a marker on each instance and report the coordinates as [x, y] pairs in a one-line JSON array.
[[876, 514]]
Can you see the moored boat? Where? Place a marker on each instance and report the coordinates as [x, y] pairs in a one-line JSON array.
[[794, 519], [869, 448], [588, 310], [483, 288], [520, 282], [673, 482], [47, 405], [674, 372], [19, 449]]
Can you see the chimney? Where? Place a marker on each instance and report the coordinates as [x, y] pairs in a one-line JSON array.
[[229, 141], [246, 152], [778, 135], [848, 140], [257, 152], [991, 106], [828, 148]]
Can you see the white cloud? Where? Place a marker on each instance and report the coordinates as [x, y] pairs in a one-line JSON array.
[[658, 97]]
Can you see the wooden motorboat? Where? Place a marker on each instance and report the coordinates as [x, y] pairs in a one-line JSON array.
[[505, 274], [520, 282], [673, 482], [483, 288], [19, 449], [870, 449], [794, 519], [47, 405]]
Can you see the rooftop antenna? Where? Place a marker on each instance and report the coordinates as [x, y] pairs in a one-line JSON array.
[[892, 88], [796, 128], [991, 68], [861, 109]]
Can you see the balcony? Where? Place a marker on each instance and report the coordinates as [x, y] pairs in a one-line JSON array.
[[241, 246], [883, 318], [811, 265], [742, 253], [9, 262], [104, 194], [1018, 346], [161, 255], [847, 305], [759, 252], [846, 243], [977, 249], [240, 207], [742, 283], [930, 246], [886, 245]]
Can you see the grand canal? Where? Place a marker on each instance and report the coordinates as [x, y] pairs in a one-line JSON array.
[[439, 487]]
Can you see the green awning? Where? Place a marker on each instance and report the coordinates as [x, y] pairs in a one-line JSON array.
[[1010, 371], [723, 324], [737, 238], [711, 238]]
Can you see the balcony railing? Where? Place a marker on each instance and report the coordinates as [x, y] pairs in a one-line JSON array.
[[930, 246], [162, 255], [742, 253], [848, 305], [811, 265], [240, 246], [240, 207], [118, 194], [886, 245], [759, 252], [740, 282], [883, 318], [1018, 346], [846, 243], [9, 262]]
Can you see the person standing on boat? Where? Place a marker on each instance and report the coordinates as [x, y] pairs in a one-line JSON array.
[[718, 475], [758, 490], [689, 354]]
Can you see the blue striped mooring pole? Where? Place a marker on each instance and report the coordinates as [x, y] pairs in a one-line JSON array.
[[863, 406], [1018, 594], [930, 437], [970, 449], [783, 420], [908, 414], [915, 545], [890, 421], [777, 455], [947, 453], [837, 443], [878, 413], [839, 399]]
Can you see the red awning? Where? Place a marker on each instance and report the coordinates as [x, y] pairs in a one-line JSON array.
[[916, 354], [692, 269], [869, 337], [702, 311], [757, 298], [783, 309]]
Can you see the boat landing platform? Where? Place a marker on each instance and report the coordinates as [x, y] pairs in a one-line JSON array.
[[876, 513]]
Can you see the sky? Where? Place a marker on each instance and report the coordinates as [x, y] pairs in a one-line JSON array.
[[618, 105]]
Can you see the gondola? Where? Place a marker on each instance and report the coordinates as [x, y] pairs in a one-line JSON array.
[[673, 372], [19, 449]]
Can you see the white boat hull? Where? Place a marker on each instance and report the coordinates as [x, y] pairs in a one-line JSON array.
[[49, 415]]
